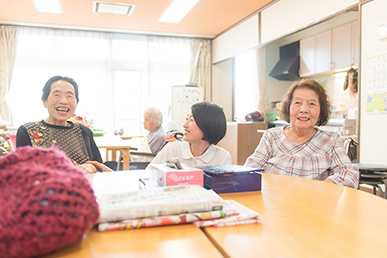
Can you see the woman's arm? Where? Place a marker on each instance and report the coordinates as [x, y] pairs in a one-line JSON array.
[[343, 171], [22, 138], [261, 154], [91, 147]]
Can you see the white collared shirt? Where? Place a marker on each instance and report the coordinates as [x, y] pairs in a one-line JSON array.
[[214, 155]]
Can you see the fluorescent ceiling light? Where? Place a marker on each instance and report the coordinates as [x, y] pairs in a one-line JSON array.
[[113, 8], [48, 6], [177, 10]]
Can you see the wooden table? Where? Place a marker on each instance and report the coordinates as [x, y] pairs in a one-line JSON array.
[[300, 218], [168, 241], [112, 144], [306, 218]]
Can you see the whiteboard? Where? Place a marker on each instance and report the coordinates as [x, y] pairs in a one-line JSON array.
[[183, 97], [373, 125]]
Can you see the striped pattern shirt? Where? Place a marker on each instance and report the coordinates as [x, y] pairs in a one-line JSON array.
[[321, 158]]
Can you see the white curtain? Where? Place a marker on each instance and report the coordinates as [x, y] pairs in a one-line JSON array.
[[8, 37], [110, 69], [43, 53], [201, 66]]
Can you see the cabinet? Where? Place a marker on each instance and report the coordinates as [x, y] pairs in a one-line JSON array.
[[341, 47], [323, 50], [242, 139], [335, 49]]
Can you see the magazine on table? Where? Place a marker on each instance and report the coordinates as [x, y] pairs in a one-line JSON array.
[[233, 213], [154, 202]]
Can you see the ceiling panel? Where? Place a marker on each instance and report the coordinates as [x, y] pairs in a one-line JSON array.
[[208, 18]]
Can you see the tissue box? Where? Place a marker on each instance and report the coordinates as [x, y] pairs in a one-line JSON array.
[[232, 178], [164, 175]]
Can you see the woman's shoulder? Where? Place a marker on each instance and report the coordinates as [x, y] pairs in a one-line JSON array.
[[274, 131], [327, 135], [82, 127], [219, 149], [175, 145], [31, 125]]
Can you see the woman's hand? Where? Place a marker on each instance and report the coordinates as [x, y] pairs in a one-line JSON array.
[[98, 166], [88, 168]]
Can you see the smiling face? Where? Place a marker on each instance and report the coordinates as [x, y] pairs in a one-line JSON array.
[[61, 103], [304, 109], [192, 132]]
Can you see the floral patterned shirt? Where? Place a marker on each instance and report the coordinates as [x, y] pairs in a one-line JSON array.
[[75, 140]]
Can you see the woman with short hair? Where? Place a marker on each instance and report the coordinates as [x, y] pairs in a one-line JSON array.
[[60, 97], [302, 149], [205, 126]]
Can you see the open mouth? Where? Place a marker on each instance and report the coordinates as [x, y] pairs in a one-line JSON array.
[[63, 109], [303, 118]]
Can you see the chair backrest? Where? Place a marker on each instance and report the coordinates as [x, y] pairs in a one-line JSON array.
[[170, 126], [350, 146], [11, 141]]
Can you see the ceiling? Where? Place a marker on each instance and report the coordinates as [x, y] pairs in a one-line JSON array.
[[208, 18]]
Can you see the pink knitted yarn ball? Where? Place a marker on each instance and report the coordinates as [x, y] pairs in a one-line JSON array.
[[46, 203]]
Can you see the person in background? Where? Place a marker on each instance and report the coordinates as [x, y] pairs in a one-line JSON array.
[[205, 126], [60, 97], [302, 149], [154, 141]]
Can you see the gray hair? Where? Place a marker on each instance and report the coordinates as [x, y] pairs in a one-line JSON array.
[[155, 115]]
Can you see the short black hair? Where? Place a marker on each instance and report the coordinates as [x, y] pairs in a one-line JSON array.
[[211, 120], [47, 86]]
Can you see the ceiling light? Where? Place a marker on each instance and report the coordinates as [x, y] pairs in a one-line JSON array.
[[48, 6], [177, 10], [113, 8]]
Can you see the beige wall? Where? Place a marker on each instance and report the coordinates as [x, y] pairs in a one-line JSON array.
[[222, 86]]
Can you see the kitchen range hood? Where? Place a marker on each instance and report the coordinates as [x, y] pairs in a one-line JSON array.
[[288, 66]]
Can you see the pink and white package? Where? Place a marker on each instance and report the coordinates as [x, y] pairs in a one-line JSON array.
[[165, 175]]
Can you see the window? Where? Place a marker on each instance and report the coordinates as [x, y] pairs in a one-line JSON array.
[[119, 75], [246, 93]]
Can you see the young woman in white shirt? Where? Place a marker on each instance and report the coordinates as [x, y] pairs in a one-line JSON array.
[[205, 126]]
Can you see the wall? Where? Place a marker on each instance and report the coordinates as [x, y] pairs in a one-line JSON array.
[[222, 86], [237, 40], [227, 45], [373, 137], [287, 16]]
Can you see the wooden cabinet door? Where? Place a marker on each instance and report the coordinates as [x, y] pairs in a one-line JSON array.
[[307, 56], [341, 46], [323, 50]]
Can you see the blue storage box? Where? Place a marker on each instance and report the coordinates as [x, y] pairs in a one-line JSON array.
[[232, 178]]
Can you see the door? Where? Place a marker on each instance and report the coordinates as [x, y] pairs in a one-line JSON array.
[[307, 56], [323, 50], [341, 49]]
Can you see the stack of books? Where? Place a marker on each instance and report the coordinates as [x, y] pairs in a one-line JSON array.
[[171, 205]]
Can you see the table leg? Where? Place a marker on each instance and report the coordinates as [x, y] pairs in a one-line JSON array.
[[125, 158]]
